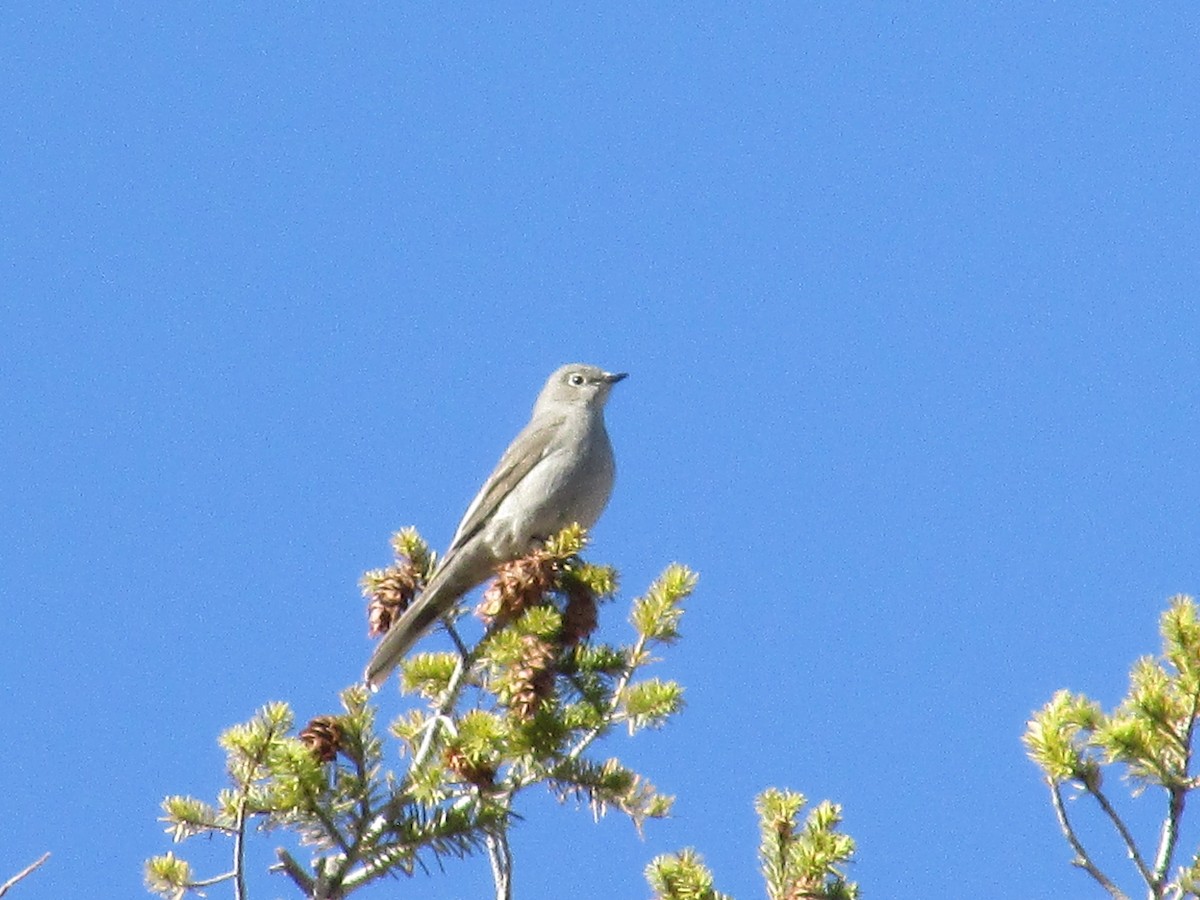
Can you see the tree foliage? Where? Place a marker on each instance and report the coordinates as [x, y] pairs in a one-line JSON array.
[[1148, 738], [526, 706], [799, 861]]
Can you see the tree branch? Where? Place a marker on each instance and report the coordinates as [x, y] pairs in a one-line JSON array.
[[1170, 834], [4, 888], [1126, 837], [209, 882], [239, 852], [1176, 798], [500, 855], [635, 655], [293, 870], [453, 689], [1082, 860]]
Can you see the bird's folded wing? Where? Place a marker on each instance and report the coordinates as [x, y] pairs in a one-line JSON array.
[[529, 448]]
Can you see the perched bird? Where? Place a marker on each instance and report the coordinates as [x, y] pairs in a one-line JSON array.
[[557, 471]]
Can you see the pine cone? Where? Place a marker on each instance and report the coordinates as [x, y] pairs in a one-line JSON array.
[[581, 617], [390, 591], [518, 585], [460, 765], [323, 737], [532, 677]]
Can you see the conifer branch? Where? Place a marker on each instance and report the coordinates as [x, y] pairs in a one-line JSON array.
[[1123, 830], [24, 873], [209, 882], [1082, 860], [544, 697], [500, 855], [1150, 734], [317, 809], [293, 870], [1177, 797], [614, 704], [441, 717], [239, 851]]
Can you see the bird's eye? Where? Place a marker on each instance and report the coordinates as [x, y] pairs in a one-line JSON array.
[[576, 379]]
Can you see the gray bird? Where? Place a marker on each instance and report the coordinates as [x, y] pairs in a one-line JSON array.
[[558, 470]]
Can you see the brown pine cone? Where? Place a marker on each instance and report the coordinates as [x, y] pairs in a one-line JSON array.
[[460, 765], [390, 591], [323, 737], [532, 677], [518, 585], [581, 616]]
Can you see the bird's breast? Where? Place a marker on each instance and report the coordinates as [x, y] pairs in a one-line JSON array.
[[571, 483]]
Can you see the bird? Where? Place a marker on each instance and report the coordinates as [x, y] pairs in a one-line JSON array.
[[559, 470]]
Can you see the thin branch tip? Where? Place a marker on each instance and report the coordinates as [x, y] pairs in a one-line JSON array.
[[25, 872]]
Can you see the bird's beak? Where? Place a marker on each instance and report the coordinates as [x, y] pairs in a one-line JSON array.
[[614, 377]]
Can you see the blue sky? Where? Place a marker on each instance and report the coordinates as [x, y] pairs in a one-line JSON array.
[[907, 293]]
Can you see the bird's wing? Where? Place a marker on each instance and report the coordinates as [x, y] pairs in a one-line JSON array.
[[528, 449]]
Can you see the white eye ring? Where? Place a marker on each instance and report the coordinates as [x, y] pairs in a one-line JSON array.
[[576, 379]]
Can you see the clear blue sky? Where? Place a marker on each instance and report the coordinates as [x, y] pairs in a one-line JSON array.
[[907, 293]]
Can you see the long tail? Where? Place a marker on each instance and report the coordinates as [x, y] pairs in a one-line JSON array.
[[453, 578]]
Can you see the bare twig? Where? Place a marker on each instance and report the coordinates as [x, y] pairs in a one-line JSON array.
[[1082, 860], [442, 716], [209, 882], [329, 825], [327, 885], [293, 870], [458, 641], [1126, 837], [239, 852], [440, 719], [1176, 798], [500, 855], [361, 819], [4, 888]]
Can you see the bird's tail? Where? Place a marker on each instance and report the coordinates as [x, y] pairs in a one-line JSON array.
[[445, 587]]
